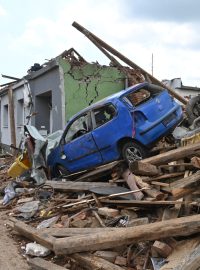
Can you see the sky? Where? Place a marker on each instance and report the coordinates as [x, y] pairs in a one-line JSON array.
[[34, 31]]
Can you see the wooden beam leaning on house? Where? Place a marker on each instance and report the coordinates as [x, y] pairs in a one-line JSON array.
[[147, 75]]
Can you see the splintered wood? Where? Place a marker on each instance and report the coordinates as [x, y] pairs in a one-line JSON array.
[[121, 217]]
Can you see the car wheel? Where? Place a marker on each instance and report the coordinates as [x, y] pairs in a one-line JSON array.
[[132, 151], [193, 109], [61, 171]]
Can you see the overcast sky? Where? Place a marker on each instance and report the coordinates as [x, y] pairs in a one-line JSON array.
[[32, 31]]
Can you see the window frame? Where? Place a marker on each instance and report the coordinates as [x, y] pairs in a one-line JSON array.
[[20, 111], [5, 115], [99, 107], [88, 114], [154, 90]]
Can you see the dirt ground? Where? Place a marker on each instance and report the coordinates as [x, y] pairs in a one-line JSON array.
[[10, 257]]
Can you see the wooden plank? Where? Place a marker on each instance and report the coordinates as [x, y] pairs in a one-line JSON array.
[[41, 264], [135, 203], [121, 261], [163, 177], [160, 184], [106, 191], [98, 218], [172, 212], [138, 221], [191, 261], [177, 166], [35, 235], [106, 255], [130, 180], [98, 203], [152, 192], [185, 185], [182, 254], [142, 168], [196, 162], [71, 186], [92, 262], [162, 248], [84, 201], [100, 171], [67, 232], [179, 153], [154, 231]]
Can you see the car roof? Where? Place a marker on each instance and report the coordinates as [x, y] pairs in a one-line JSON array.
[[109, 99]]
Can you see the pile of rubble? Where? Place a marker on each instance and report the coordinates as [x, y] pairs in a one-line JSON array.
[[144, 216]]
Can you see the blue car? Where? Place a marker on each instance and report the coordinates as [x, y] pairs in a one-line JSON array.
[[124, 125]]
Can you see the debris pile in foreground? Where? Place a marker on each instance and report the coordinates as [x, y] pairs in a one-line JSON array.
[[145, 216]]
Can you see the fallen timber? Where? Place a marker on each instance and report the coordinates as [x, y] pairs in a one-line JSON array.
[[90, 220], [176, 154], [98, 241]]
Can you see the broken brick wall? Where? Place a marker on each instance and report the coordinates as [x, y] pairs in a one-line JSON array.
[[87, 83]]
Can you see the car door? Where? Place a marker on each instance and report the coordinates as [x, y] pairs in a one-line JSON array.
[[80, 148], [106, 131]]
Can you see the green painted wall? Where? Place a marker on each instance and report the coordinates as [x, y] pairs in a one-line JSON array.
[[88, 83]]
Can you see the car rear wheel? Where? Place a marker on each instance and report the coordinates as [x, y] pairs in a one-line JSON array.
[[132, 151]]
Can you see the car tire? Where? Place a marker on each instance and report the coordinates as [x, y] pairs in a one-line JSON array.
[[132, 151], [193, 109]]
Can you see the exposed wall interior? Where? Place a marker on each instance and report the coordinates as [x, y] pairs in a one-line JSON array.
[[87, 83]]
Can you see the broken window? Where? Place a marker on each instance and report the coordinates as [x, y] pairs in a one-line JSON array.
[[20, 112], [78, 128], [140, 96], [104, 114], [5, 115]]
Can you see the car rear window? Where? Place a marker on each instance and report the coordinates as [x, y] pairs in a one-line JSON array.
[[142, 95]]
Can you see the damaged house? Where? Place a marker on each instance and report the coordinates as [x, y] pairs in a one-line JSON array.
[[50, 94], [183, 90], [143, 215]]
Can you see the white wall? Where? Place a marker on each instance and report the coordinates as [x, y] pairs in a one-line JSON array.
[[187, 93], [5, 129], [20, 113]]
